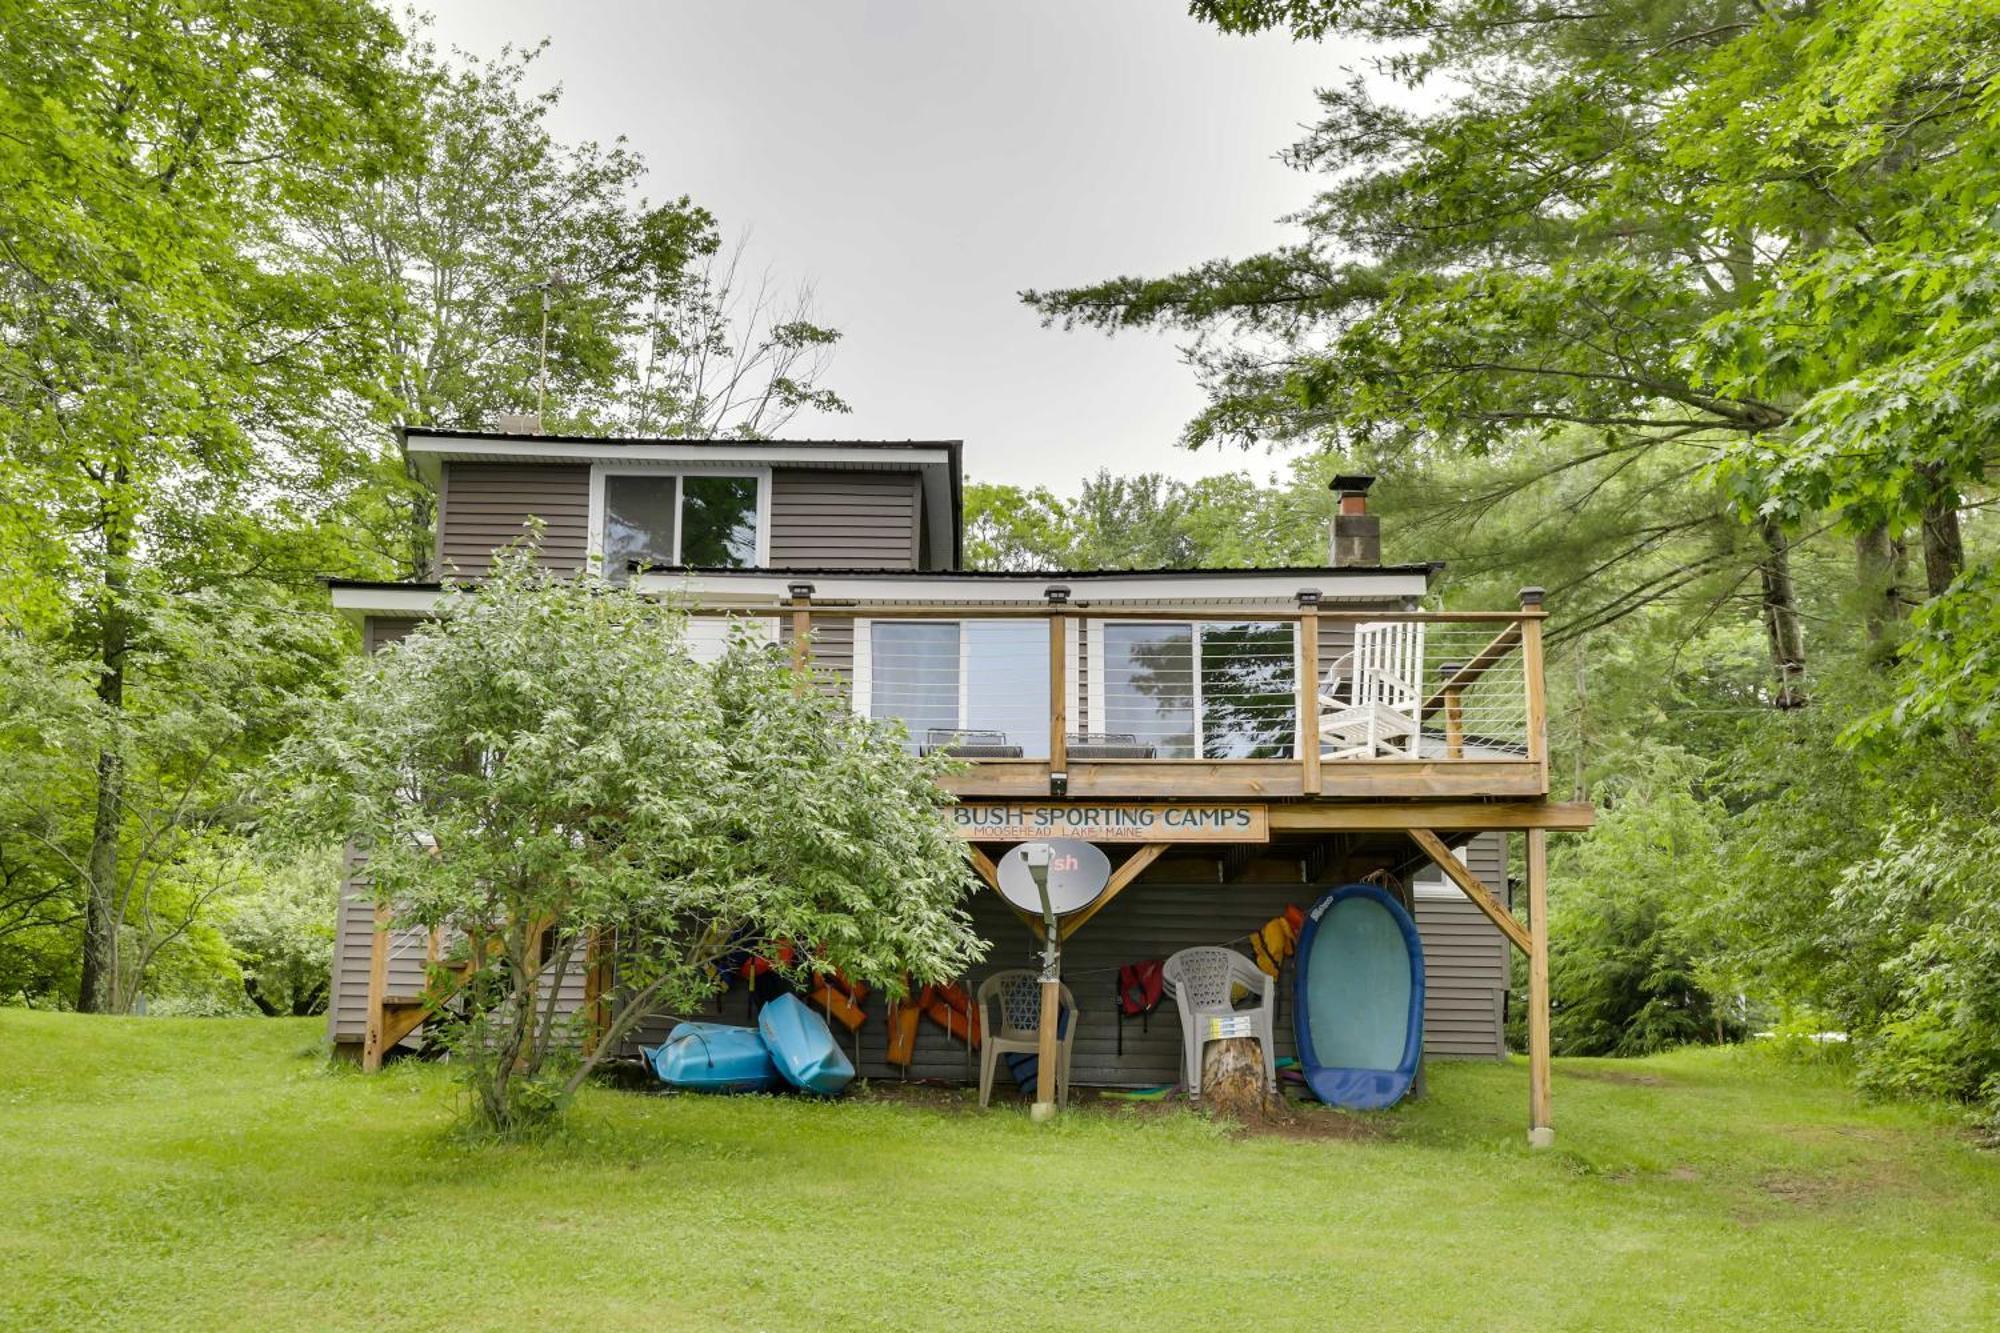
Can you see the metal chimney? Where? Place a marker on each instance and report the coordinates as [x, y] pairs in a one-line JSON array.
[[1356, 536]]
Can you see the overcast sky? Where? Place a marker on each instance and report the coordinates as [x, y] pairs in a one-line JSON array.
[[922, 162]]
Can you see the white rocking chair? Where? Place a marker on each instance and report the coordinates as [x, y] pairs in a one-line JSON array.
[[1382, 712]]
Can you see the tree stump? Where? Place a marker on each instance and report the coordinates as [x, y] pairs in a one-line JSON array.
[[1232, 1081]]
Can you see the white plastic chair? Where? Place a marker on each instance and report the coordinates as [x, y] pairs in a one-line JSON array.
[[1383, 709], [1019, 1030], [1201, 982]]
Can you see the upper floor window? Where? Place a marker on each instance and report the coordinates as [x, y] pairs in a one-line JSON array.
[[705, 520]]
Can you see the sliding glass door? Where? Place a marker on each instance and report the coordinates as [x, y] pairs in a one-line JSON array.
[[949, 677], [1199, 691]]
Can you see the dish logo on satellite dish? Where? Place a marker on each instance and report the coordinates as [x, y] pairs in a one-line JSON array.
[[1075, 871]]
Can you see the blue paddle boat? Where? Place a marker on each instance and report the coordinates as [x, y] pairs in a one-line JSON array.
[[803, 1048], [1358, 999], [711, 1057]]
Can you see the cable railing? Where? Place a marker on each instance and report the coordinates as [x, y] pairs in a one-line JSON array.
[[1286, 698]]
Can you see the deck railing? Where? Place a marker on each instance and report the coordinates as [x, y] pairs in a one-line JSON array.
[[1120, 701]]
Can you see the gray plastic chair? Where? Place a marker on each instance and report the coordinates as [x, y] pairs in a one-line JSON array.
[[1200, 981], [1018, 1032]]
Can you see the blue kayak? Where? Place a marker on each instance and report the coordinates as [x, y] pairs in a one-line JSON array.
[[803, 1048], [710, 1057], [1358, 999]]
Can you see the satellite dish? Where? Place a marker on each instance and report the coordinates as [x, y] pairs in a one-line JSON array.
[[1077, 871]]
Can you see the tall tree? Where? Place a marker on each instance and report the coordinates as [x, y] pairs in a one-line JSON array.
[[168, 364], [1534, 250], [531, 275]]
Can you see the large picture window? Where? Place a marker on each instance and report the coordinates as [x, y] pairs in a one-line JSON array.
[[945, 676], [654, 520], [1206, 691]]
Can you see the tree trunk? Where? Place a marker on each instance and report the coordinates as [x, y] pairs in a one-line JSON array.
[[1232, 1081], [1944, 545], [1783, 626], [1875, 575], [99, 990]]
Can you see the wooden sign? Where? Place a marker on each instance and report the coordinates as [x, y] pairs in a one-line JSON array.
[[1174, 821]]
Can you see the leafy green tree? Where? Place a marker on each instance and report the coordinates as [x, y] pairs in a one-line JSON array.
[[1627, 963], [212, 681], [280, 933], [545, 766], [168, 364], [525, 274], [1536, 249]]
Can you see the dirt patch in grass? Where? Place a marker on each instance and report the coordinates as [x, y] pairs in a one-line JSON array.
[[1619, 1076], [1302, 1123]]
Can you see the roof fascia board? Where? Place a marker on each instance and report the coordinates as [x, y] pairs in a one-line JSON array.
[[1246, 588]]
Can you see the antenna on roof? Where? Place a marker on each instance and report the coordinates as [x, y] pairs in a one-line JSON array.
[[553, 282]]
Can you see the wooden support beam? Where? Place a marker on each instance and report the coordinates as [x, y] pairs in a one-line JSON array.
[[374, 1043], [1133, 867], [1541, 1126], [991, 874], [1462, 816], [1482, 897], [1476, 666], [1454, 725]]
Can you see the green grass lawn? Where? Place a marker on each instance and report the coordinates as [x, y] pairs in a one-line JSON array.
[[211, 1173]]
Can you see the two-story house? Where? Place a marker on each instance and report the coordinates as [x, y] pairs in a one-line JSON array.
[[1238, 739]]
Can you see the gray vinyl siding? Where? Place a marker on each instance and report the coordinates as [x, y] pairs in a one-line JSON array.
[[409, 952], [381, 631], [483, 507], [1466, 962], [1171, 908], [844, 520], [353, 942]]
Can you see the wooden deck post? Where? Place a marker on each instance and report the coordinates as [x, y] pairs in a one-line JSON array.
[[801, 635], [1541, 1128], [1537, 687], [596, 993], [372, 1045], [1308, 728], [1045, 1049], [1058, 689], [1454, 710]]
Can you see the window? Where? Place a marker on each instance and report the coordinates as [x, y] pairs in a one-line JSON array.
[[974, 675], [1208, 691], [719, 522], [657, 520], [638, 523]]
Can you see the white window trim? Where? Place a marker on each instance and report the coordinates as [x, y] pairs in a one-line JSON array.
[[599, 471], [1095, 659], [1431, 884], [862, 693]]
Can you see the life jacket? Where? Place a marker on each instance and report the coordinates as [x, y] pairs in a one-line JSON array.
[[1141, 986], [1276, 940]]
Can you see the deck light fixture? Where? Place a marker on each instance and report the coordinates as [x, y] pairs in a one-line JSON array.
[[1307, 597], [801, 592], [1057, 594]]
